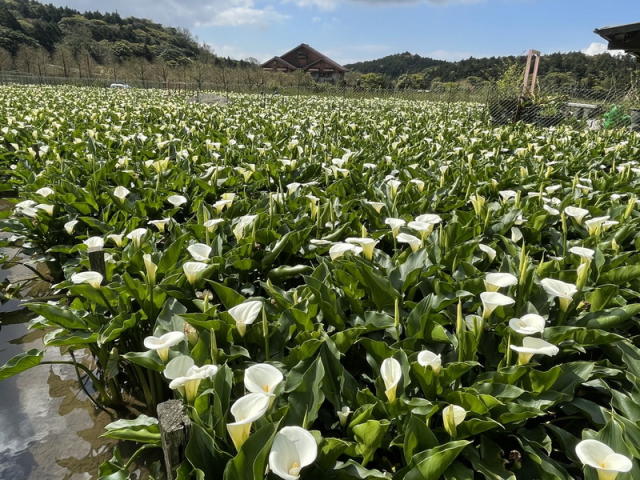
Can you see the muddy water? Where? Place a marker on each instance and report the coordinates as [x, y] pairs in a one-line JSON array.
[[49, 429]]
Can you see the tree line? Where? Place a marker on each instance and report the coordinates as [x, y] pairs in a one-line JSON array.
[[573, 69]]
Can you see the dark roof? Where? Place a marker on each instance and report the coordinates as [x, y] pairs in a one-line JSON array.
[[622, 37], [319, 57], [281, 61]]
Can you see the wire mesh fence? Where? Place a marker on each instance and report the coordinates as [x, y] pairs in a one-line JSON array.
[[550, 106]]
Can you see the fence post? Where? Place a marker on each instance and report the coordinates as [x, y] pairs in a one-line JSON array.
[[174, 432]]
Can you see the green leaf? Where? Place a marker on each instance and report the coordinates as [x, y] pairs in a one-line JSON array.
[[20, 363], [148, 359], [228, 296], [611, 318], [304, 387], [251, 461], [417, 437], [431, 464], [621, 275], [580, 335], [143, 429], [369, 437], [381, 292], [60, 316], [171, 255]]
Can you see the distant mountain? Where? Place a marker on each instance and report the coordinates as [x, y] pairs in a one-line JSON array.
[[106, 37], [588, 71]]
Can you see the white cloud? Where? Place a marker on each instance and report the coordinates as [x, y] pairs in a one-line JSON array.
[[596, 48], [321, 4], [239, 53], [186, 13], [332, 4], [237, 16]]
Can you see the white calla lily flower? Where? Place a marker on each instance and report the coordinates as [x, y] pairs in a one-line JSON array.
[[478, 202], [136, 236], [563, 290], [229, 196], [493, 300], [418, 183], [212, 224], [584, 253], [199, 252], [245, 314], [293, 187], [507, 195], [189, 383], [551, 210], [430, 218], [533, 346], [45, 207], [178, 367], [475, 324], [577, 213], [452, 416], [70, 226], [162, 344], [529, 324], [245, 411], [150, 267], [427, 358], [25, 204], [490, 252], [92, 278], [391, 372], [603, 458], [45, 192], [160, 224], [243, 224], [121, 192], [220, 205], [395, 224], [377, 206], [337, 250], [424, 229], [392, 186], [94, 244], [293, 449], [414, 242], [367, 244], [343, 415], [116, 238], [595, 225], [516, 234], [193, 271], [177, 200], [262, 378], [495, 281]]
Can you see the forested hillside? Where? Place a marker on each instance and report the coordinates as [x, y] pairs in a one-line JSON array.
[[106, 37], [599, 71]]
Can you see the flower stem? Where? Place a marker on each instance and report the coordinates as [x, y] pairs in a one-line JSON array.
[[265, 333]]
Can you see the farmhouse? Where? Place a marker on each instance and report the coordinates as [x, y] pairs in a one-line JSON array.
[[622, 37], [307, 59]]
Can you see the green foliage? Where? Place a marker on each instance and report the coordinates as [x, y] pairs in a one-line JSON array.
[[557, 69], [305, 175], [52, 27]]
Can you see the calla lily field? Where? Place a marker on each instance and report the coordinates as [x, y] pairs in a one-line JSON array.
[[334, 288]]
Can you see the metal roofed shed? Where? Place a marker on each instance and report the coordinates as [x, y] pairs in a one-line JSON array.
[[622, 37]]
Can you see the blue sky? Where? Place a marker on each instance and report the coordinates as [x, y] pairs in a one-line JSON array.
[[352, 30]]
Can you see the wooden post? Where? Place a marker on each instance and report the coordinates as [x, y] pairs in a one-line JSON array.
[[174, 432], [531, 78], [96, 260]]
